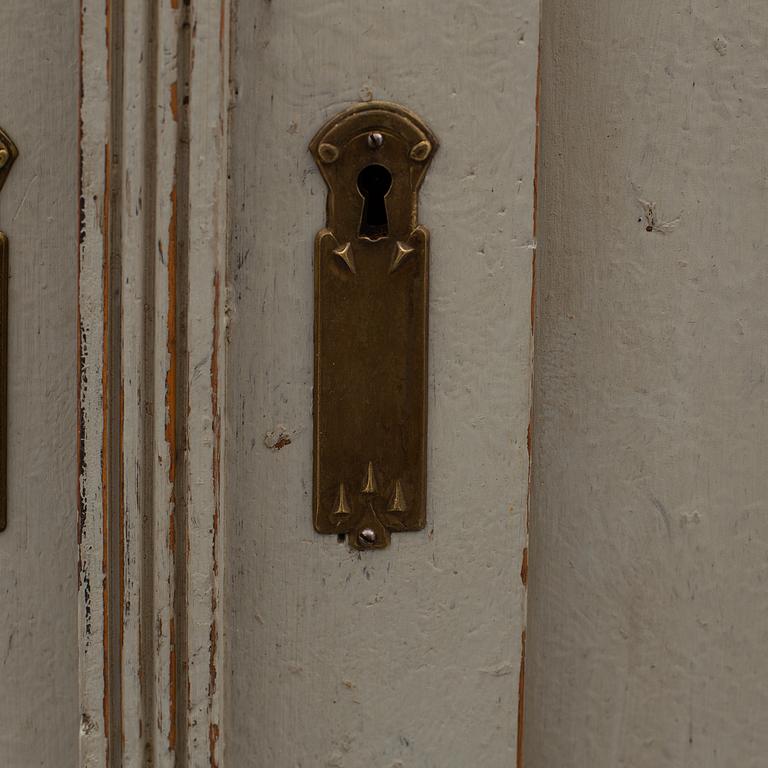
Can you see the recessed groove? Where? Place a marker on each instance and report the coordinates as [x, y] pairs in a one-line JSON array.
[[181, 394], [147, 645], [114, 521]]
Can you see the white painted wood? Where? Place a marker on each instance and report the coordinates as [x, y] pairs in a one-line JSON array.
[[38, 551], [648, 565], [208, 143], [408, 656]]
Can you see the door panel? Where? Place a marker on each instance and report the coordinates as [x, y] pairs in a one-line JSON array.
[[647, 606], [409, 655], [38, 551]]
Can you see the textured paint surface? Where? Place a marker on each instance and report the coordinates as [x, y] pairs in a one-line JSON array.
[[38, 551], [647, 633], [408, 656]]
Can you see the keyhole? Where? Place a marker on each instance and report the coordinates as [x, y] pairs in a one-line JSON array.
[[374, 182]]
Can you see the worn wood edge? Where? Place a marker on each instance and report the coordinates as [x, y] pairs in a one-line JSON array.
[[520, 746], [93, 141]]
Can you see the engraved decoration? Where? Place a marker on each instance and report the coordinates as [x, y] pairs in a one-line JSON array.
[[371, 303]]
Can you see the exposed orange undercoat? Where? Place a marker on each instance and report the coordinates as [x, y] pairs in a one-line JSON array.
[[521, 703], [222, 24], [107, 25], [175, 101], [170, 439], [524, 568], [216, 475], [213, 739]]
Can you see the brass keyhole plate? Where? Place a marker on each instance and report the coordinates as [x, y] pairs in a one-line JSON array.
[[8, 155], [371, 306]]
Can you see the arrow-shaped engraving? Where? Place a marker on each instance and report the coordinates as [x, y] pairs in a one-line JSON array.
[[344, 252]]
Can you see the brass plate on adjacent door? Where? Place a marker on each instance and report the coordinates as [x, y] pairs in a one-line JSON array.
[[8, 153], [371, 307]]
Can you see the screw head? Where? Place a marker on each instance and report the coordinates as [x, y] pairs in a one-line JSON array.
[[367, 536], [4, 155], [375, 140]]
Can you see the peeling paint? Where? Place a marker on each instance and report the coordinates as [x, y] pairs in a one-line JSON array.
[[93, 150], [524, 568], [175, 101], [278, 438]]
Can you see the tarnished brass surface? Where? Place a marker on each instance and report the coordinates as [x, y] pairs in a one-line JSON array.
[[8, 153], [371, 304]]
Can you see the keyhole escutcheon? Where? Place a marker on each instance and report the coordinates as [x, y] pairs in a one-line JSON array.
[[374, 183]]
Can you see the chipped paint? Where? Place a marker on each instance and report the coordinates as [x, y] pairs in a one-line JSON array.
[[92, 315], [278, 438], [216, 477], [524, 568], [213, 741], [175, 101], [208, 131]]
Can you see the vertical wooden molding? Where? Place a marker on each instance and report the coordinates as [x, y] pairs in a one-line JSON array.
[[153, 182]]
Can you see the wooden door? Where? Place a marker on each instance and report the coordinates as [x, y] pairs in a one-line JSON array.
[[598, 188]]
